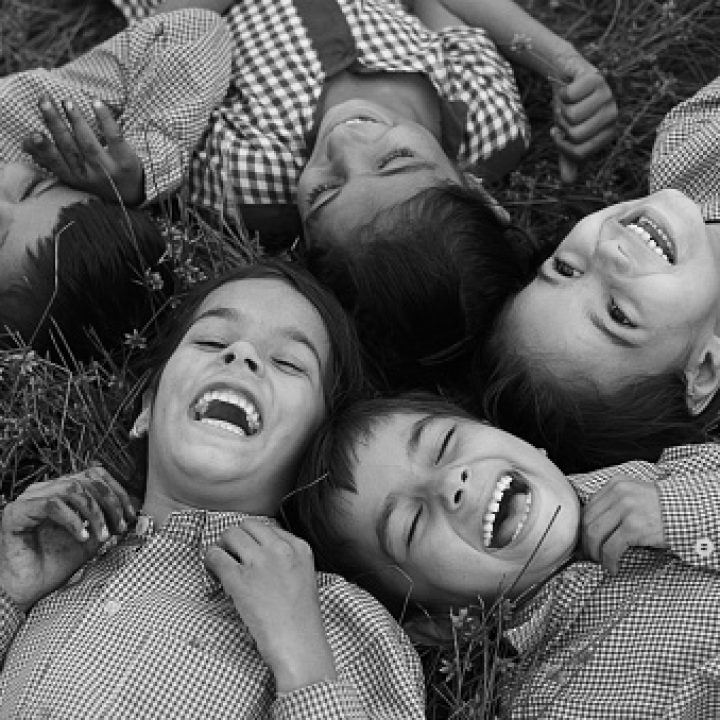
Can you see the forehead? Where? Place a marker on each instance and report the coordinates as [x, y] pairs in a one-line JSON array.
[[270, 303], [363, 197]]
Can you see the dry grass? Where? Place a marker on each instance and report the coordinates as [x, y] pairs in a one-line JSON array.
[[55, 420]]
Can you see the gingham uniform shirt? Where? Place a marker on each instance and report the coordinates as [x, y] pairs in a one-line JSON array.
[[646, 643], [686, 155], [161, 78], [283, 51], [144, 631]]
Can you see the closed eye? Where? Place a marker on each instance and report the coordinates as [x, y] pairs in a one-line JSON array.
[[561, 267], [399, 153], [316, 192], [212, 344], [446, 441], [413, 526], [289, 365]]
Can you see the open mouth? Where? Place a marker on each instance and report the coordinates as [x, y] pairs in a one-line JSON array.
[[507, 511], [228, 410], [654, 236]]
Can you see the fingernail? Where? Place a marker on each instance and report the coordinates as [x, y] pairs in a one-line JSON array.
[[84, 534], [122, 526], [97, 105], [104, 534], [69, 105], [45, 105]]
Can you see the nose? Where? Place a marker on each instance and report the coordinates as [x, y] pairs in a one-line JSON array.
[[246, 353], [455, 488], [349, 147], [612, 255]]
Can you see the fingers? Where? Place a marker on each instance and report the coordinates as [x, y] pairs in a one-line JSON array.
[[625, 513], [68, 160], [578, 151], [87, 504]]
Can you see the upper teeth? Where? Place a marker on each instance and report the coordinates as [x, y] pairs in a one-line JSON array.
[[648, 238], [231, 397], [489, 518], [359, 119]]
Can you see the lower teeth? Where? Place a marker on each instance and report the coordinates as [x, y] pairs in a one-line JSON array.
[[222, 424]]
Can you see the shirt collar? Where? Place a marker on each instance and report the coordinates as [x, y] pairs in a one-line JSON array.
[[197, 528]]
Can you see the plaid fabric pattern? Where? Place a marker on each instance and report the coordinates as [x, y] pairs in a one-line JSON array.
[[644, 643], [161, 78], [257, 141], [686, 155], [143, 631]]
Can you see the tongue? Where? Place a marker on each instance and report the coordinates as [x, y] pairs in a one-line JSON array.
[[512, 508], [220, 410]]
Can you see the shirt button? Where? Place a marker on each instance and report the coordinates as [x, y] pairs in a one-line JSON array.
[[112, 607], [705, 547]]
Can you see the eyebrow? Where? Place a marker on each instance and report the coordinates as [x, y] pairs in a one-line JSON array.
[[382, 526], [291, 333], [390, 172]]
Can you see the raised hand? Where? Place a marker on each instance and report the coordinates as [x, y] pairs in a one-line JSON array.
[[56, 526], [624, 513], [270, 576], [75, 155], [585, 112]]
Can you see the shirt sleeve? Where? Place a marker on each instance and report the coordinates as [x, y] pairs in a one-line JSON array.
[[11, 618], [379, 672], [161, 78], [686, 153]]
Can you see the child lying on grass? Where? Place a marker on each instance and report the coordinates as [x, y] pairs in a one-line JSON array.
[[201, 606], [70, 261], [612, 576], [612, 351]]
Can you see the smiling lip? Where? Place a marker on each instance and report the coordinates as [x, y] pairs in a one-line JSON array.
[[511, 499], [229, 395], [349, 114], [654, 233]]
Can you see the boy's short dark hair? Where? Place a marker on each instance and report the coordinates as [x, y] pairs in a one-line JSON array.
[[423, 282], [581, 428], [312, 510], [88, 284]]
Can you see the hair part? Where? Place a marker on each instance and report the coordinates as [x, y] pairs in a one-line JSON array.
[[581, 428], [315, 510], [423, 281]]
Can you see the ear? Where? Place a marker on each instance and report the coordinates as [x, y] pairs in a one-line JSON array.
[[426, 629], [702, 376]]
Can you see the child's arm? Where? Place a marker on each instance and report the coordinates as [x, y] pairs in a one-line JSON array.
[[160, 79], [270, 576], [585, 110]]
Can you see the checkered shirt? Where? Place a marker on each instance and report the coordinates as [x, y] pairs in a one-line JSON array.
[[686, 155], [643, 644], [161, 78], [259, 138], [143, 631]]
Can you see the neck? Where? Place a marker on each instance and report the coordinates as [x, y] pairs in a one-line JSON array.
[[159, 507], [409, 95]]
